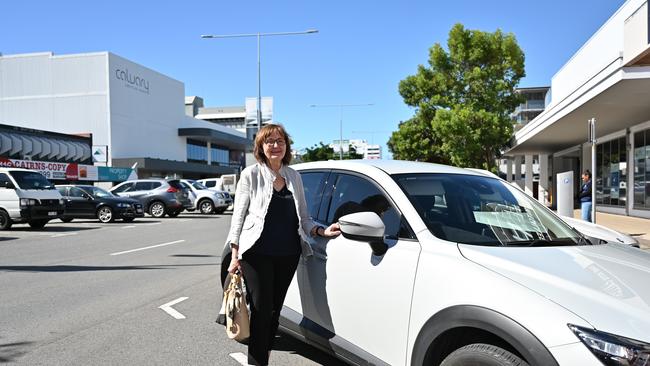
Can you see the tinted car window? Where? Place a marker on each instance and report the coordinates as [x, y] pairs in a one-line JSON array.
[[210, 183], [126, 187], [143, 186], [76, 192], [62, 190], [355, 194], [313, 183], [4, 179], [174, 183]]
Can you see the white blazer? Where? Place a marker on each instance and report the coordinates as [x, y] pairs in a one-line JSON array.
[[252, 199]]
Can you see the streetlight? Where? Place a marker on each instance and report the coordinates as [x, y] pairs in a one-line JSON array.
[[340, 106], [259, 80]]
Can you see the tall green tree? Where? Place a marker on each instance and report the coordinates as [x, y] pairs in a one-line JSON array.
[[323, 152], [462, 100]]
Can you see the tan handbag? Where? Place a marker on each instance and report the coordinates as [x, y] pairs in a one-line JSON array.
[[237, 318]]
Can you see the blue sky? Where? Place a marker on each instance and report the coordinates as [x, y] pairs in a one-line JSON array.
[[363, 49]]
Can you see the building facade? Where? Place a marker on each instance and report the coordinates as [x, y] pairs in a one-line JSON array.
[[607, 79], [136, 113]]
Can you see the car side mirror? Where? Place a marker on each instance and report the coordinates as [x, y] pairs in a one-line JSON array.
[[365, 226], [7, 184]]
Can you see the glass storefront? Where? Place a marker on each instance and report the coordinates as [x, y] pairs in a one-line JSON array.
[[611, 173], [197, 151], [642, 170]]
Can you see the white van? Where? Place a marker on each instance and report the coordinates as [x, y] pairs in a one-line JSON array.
[[26, 196]]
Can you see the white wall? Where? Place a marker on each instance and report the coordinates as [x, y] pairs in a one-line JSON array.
[[147, 109], [66, 94], [603, 48]]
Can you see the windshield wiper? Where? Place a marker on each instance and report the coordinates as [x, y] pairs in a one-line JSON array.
[[539, 243]]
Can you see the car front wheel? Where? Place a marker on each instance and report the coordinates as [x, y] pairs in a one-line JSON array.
[[105, 214], [206, 207], [157, 209], [5, 220], [484, 355]]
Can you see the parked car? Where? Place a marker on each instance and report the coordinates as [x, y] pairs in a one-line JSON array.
[[438, 264], [215, 184], [26, 196], [227, 183], [159, 197], [86, 201], [205, 200]]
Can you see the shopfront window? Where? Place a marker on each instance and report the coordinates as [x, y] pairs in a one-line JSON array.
[[219, 156], [642, 170], [197, 151], [611, 173]]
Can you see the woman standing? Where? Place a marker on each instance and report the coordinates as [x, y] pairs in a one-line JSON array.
[[269, 231], [585, 196]]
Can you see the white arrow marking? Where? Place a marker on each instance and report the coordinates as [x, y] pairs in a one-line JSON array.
[[149, 247], [171, 311], [240, 357]]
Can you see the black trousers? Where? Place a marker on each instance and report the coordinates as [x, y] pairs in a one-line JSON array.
[[267, 281]]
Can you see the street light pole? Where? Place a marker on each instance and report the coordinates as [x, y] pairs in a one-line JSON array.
[[259, 62], [340, 106]]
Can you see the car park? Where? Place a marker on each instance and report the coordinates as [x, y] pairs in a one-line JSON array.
[[86, 201], [204, 200], [159, 197], [455, 268], [26, 196]]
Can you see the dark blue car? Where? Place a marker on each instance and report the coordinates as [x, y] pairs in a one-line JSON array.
[[90, 202]]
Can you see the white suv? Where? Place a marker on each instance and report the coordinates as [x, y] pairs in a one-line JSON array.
[[441, 265], [205, 200]]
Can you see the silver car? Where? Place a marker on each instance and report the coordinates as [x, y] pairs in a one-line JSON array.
[[205, 200], [159, 197]]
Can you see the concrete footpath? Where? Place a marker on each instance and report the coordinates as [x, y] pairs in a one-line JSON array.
[[637, 227]]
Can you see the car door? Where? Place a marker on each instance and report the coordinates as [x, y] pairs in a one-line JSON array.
[[124, 189], [81, 203], [192, 194], [363, 299]]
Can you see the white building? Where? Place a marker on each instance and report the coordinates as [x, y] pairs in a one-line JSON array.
[[136, 112], [608, 79], [362, 147]]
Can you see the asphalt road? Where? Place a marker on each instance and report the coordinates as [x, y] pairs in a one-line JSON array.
[[81, 294]]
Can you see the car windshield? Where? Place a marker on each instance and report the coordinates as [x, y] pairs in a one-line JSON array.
[[483, 211], [31, 180], [198, 186], [98, 192]]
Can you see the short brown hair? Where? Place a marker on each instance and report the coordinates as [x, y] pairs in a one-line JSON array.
[[263, 134]]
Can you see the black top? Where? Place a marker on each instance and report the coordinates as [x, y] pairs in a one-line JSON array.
[[585, 192], [280, 234]]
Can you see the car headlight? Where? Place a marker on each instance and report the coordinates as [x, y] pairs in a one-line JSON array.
[[61, 201], [613, 350], [123, 205], [28, 202], [219, 195]]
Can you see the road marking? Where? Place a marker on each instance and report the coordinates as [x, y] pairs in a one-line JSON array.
[[171, 311], [149, 247], [128, 227], [240, 357], [66, 234]]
